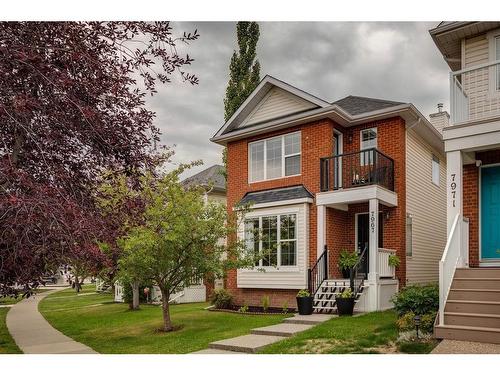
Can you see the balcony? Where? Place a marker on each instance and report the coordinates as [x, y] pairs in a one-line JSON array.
[[356, 169], [475, 93]]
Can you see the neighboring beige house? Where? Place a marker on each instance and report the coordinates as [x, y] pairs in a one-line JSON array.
[[470, 267], [213, 180]]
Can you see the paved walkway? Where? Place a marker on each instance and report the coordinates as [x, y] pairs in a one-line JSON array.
[[465, 347], [261, 337], [34, 335]]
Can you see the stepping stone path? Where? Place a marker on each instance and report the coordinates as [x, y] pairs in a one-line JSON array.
[[261, 337]]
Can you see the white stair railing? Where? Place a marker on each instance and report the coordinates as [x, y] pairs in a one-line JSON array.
[[456, 254]]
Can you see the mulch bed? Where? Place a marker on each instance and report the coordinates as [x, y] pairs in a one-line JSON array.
[[256, 310]]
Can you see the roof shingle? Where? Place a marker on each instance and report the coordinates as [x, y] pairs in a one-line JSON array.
[[275, 195], [356, 105], [211, 176]]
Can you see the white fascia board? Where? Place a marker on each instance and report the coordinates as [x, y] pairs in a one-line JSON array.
[[357, 195], [278, 203], [472, 137], [334, 112]]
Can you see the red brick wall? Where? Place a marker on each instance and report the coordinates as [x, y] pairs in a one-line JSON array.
[[471, 200], [317, 142]]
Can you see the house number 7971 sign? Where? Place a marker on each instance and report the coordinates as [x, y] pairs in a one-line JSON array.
[[453, 187], [372, 221]]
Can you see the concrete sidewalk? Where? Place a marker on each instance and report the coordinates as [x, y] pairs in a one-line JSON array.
[[34, 335]]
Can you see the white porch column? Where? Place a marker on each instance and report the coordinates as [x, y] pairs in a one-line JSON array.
[[373, 222], [454, 186], [321, 229]]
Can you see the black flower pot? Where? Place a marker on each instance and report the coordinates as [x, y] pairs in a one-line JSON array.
[[346, 273], [305, 305], [345, 306]]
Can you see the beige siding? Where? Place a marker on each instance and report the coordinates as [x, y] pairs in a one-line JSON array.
[[286, 277], [216, 197], [277, 103], [477, 83], [426, 203]]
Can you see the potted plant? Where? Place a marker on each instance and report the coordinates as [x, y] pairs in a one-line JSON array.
[[305, 302], [345, 302], [347, 260], [394, 261]]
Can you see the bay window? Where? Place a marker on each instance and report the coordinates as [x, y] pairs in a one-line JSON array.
[[272, 239], [274, 157]]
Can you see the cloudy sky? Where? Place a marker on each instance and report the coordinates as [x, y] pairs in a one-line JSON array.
[[396, 61]]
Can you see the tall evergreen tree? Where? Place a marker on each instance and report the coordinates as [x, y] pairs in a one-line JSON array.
[[244, 71]]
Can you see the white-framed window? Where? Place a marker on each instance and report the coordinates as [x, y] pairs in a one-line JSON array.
[[368, 139], [494, 70], [409, 235], [274, 157], [274, 236], [435, 170]]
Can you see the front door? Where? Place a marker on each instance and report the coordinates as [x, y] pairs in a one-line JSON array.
[[363, 237], [490, 214]]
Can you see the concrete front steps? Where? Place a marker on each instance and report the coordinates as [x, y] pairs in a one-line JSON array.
[[324, 299], [472, 310], [261, 337]]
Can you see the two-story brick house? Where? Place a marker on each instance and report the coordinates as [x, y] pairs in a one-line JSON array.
[[470, 267], [323, 177]]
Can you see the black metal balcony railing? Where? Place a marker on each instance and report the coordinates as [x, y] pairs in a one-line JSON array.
[[355, 169]]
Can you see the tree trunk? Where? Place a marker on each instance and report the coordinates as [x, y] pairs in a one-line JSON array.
[[77, 284], [167, 323], [135, 295]]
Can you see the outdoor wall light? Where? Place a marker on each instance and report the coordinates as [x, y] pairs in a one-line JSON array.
[[416, 320]]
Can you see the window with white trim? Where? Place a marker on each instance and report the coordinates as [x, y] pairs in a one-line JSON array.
[[273, 238], [409, 235], [274, 157], [368, 139], [435, 170]]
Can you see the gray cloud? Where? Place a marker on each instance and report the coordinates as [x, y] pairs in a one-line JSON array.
[[395, 61]]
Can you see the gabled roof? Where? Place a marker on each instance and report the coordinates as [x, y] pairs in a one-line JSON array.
[[347, 112], [212, 176], [275, 195], [356, 105], [260, 92], [448, 35]]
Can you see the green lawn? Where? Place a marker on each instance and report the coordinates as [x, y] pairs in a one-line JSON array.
[[7, 344], [109, 327], [370, 333]]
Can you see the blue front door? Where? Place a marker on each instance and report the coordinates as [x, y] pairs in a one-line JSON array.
[[490, 213]]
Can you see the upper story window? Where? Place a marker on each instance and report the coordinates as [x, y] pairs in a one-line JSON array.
[[435, 170], [274, 157], [368, 139]]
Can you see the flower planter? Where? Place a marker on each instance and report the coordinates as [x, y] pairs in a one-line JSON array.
[[346, 273], [345, 306], [305, 305]]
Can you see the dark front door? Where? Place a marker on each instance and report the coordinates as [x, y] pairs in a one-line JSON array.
[[364, 238]]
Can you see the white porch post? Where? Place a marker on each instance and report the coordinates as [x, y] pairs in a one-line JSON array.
[[321, 230], [454, 186], [373, 300]]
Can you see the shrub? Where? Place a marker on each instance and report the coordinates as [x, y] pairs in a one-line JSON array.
[[127, 293], [347, 293], [222, 299], [243, 309], [265, 303], [347, 260], [394, 260], [285, 307], [303, 293], [419, 299], [407, 322]]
